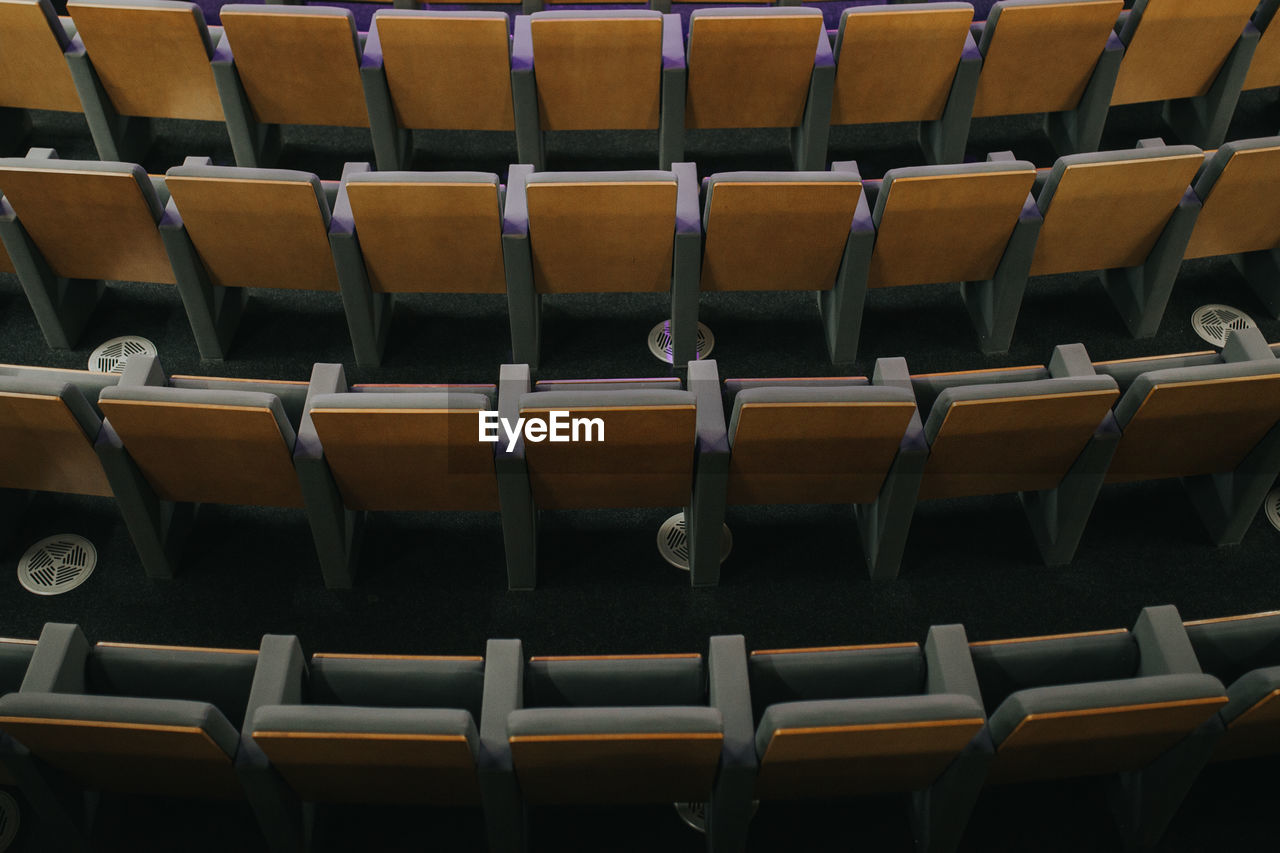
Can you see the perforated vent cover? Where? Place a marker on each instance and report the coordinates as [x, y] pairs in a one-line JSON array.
[[10, 818], [111, 356], [660, 341], [1272, 505], [57, 564], [673, 542], [1212, 322]]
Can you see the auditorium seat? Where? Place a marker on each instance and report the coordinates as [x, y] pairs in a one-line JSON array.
[[1191, 55], [658, 446], [790, 231], [134, 720], [385, 730], [1045, 433], [1132, 704], [291, 65], [435, 71], [910, 63], [761, 67], [68, 225], [1209, 420], [142, 59], [33, 67], [169, 444], [607, 69], [378, 448], [631, 729], [1264, 70], [601, 232], [975, 223], [412, 232], [829, 441], [1243, 652], [894, 718], [1052, 57], [49, 421], [249, 228], [1239, 187], [1126, 214]]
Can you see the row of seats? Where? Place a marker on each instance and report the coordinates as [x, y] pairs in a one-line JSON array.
[[216, 231], [1051, 434], [942, 720], [124, 63]]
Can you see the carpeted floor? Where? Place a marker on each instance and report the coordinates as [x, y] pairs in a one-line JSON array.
[[795, 576]]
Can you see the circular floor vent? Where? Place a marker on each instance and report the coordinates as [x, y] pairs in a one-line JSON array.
[[1273, 508], [660, 341], [673, 542], [111, 356], [695, 814], [10, 818], [1212, 322], [56, 565]]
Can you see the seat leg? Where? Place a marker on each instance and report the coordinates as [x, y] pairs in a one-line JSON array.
[[1262, 271], [1058, 516], [940, 812], [1141, 293], [1228, 503]]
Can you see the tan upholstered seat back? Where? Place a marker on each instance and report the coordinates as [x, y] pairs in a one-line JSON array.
[[947, 227], [1242, 211], [448, 73], [1178, 48], [298, 69], [88, 224], [1264, 68], [423, 237], [33, 70], [598, 74], [789, 453], [256, 233], [898, 64], [1107, 215], [151, 61], [750, 71], [592, 237], [1188, 428], [43, 447], [1041, 57], [777, 235]]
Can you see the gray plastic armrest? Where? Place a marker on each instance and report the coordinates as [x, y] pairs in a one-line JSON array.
[[730, 694], [325, 379], [142, 370], [372, 55], [847, 167], [503, 693], [341, 219], [950, 666], [672, 44], [1070, 360], [713, 434], [1246, 345], [894, 373], [58, 663], [1163, 645], [515, 217], [277, 677], [688, 219], [513, 381]]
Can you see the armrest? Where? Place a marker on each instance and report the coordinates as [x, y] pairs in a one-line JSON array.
[[863, 220], [58, 664], [847, 167], [949, 664], [970, 52], [1151, 142], [672, 44], [713, 435], [515, 216], [222, 53], [1070, 360], [688, 217], [730, 694], [142, 370], [893, 373], [1246, 345], [1163, 645], [1000, 156], [823, 58], [372, 56], [522, 45], [341, 220], [325, 379], [976, 29], [513, 381], [74, 48], [170, 219], [277, 678], [503, 693]]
